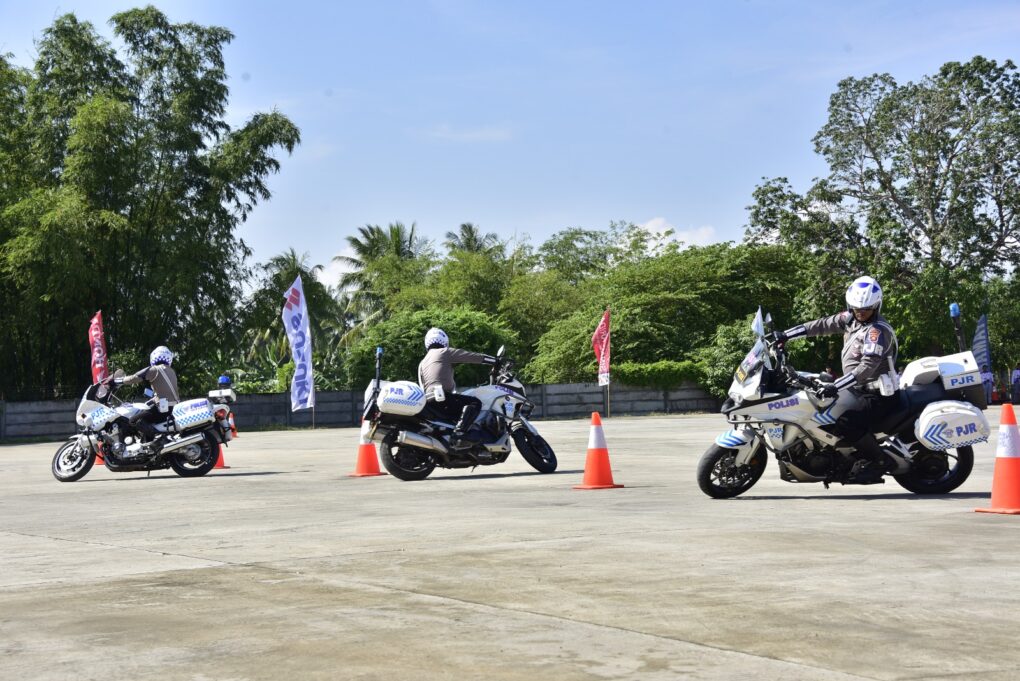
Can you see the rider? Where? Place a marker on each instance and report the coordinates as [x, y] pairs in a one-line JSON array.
[[436, 370], [163, 381], [869, 357]]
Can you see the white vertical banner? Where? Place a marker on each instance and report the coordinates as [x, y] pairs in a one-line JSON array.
[[295, 321]]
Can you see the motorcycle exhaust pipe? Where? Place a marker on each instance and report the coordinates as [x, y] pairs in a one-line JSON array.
[[406, 437], [183, 442]]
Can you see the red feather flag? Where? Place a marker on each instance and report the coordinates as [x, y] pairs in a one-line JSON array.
[[600, 344]]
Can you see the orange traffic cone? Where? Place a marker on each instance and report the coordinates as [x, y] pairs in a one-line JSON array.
[[368, 459], [233, 426], [99, 457], [220, 463], [597, 473], [1006, 478]]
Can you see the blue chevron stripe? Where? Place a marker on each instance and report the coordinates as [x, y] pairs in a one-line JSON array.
[[825, 417]]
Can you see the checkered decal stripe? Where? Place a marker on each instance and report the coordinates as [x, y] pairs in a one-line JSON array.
[[192, 413]]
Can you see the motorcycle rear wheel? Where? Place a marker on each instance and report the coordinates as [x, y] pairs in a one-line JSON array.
[[720, 478], [198, 463], [71, 462], [406, 463], [934, 472], [535, 450]]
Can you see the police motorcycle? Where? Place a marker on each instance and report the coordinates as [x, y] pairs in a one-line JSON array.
[[190, 436], [775, 409], [414, 434]]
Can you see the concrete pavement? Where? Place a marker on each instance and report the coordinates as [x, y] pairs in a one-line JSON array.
[[284, 567]]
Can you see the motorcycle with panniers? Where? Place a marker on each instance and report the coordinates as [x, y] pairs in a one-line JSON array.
[[414, 434], [774, 409], [188, 439]]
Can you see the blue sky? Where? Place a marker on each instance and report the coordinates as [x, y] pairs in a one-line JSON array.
[[530, 117]]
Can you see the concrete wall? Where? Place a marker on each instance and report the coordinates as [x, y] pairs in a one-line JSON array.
[[55, 419]]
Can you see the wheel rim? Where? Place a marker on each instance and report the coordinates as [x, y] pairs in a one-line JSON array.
[[410, 459], [539, 446], [932, 468], [72, 459], [727, 475], [192, 456]]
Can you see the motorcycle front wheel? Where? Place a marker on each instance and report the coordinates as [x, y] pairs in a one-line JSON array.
[[196, 460], [71, 462], [405, 463], [721, 478], [535, 450], [934, 472]]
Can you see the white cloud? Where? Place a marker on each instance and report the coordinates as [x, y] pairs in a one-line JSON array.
[[487, 133], [659, 227], [332, 271]]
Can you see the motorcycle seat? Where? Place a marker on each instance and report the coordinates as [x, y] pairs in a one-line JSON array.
[[911, 401]]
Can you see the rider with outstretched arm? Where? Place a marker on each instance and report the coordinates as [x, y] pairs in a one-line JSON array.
[[163, 381], [436, 370], [869, 357]]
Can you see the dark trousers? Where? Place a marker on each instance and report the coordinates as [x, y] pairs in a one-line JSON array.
[[462, 410], [854, 424], [145, 421]]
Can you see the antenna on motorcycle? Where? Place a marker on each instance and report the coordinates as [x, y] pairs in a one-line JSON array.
[[378, 365], [954, 312]]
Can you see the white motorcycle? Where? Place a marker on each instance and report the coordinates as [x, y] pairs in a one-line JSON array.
[[774, 409], [189, 437], [414, 434]]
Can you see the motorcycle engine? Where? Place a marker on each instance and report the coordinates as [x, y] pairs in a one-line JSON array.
[[813, 462]]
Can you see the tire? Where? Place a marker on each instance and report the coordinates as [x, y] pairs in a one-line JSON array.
[[933, 472], [406, 463], [720, 479], [196, 460], [71, 462], [535, 450]]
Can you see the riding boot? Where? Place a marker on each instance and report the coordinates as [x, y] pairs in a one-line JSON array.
[[871, 467], [467, 417]]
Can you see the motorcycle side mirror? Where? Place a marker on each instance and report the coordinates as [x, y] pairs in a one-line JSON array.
[[502, 349], [119, 373], [825, 377]]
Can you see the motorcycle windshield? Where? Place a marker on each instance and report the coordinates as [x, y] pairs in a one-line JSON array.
[[752, 364]]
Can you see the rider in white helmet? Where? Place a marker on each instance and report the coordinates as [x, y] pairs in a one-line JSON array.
[[436, 370], [163, 381], [869, 352]]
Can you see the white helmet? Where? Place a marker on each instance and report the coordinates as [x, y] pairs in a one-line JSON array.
[[161, 355], [864, 293], [436, 336]]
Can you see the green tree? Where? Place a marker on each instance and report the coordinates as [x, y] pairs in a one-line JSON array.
[[122, 188], [384, 262], [469, 237], [402, 338], [940, 157]]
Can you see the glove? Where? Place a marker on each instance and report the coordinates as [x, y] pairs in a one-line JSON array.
[[827, 390], [778, 337]]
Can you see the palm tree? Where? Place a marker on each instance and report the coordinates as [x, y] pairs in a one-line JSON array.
[[267, 339], [370, 246], [469, 237]]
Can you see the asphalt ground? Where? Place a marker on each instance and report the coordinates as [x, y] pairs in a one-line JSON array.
[[282, 567]]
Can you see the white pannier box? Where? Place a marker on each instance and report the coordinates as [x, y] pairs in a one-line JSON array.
[[402, 398], [959, 371], [948, 424], [192, 414]]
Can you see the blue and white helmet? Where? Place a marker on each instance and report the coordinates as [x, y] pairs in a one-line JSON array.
[[864, 294], [436, 336], [161, 355]]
